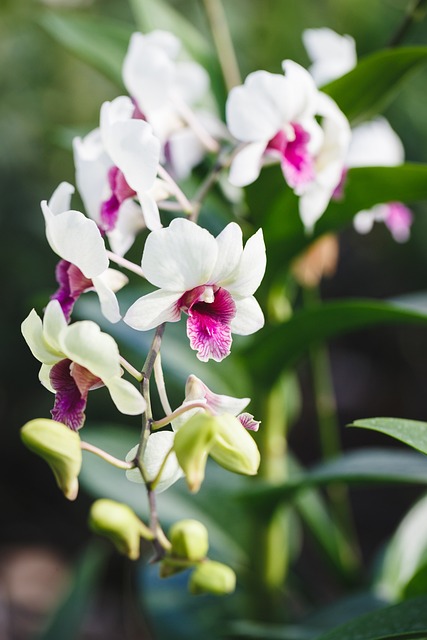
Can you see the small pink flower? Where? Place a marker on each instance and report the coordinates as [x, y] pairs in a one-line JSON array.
[[210, 279]]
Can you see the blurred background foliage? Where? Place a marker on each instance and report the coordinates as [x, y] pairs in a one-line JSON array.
[[48, 95]]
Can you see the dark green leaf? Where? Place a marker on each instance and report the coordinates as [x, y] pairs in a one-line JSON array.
[[365, 90], [67, 621], [360, 467], [277, 348], [405, 620], [98, 41], [411, 432]]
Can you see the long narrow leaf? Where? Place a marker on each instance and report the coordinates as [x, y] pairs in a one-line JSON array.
[[411, 432]]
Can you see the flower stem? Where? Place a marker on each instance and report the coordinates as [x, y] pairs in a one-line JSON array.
[[415, 12], [130, 369], [223, 43], [158, 424], [126, 264], [116, 462], [193, 121], [175, 190], [160, 384]]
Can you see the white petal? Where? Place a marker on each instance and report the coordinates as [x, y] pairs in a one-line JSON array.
[[186, 151], [195, 389], [191, 81], [180, 257], [125, 396], [92, 165], [54, 323], [153, 309], [44, 377], [251, 267], [135, 151], [312, 204], [84, 342], [61, 198], [257, 110], [375, 144], [120, 109], [108, 301], [129, 222], [150, 211], [158, 446], [249, 317], [246, 164], [32, 330], [304, 92], [76, 239], [332, 55], [363, 221], [230, 250]]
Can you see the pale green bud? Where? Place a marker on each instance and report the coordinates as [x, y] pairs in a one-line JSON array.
[[212, 577], [192, 445], [189, 540], [120, 524], [234, 447], [60, 447]]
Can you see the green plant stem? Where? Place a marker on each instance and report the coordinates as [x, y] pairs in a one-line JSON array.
[[329, 437], [415, 12], [116, 462], [223, 43]]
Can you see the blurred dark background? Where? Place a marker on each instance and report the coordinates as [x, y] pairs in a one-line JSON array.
[[47, 94]]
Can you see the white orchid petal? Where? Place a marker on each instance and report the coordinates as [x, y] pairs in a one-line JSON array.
[[158, 446], [195, 389], [54, 324], [246, 164], [44, 377], [32, 330], [84, 342], [180, 257], [249, 317], [186, 151], [251, 267], [332, 55], [191, 81], [61, 198], [153, 309], [120, 109], [375, 144], [130, 222], [107, 299], [92, 165], [230, 250], [304, 94], [135, 151], [364, 221], [150, 211], [125, 396], [76, 239]]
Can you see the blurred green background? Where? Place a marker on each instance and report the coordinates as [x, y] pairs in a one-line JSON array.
[[47, 94]]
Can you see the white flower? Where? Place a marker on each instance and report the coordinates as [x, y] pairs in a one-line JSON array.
[[210, 279], [75, 359], [275, 116], [84, 262], [115, 164], [166, 88], [332, 55], [158, 447]]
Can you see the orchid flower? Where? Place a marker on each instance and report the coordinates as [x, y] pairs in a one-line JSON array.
[[84, 262], [275, 117], [165, 89], [210, 279], [116, 163], [217, 404], [75, 359], [157, 453], [372, 144]]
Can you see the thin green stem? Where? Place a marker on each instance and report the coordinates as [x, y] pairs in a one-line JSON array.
[[223, 43], [160, 384], [415, 12], [116, 462], [130, 369], [156, 480], [163, 422]]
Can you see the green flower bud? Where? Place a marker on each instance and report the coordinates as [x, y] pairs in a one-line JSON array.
[[60, 447], [212, 577], [234, 447], [120, 524], [189, 540], [192, 445]]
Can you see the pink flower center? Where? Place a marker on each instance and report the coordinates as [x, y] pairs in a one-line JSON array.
[[120, 191], [72, 383], [210, 311], [72, 283], [296, 161]]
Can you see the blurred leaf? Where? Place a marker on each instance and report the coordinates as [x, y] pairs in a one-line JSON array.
[[98, 41], [404, 566], [277, 348], [376, 79], [359, 467], [366, 186], [411, 432], [68, 619], [405, 620]]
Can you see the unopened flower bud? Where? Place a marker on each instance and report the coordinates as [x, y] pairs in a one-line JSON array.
[[60, 447], [189, 539], [212, 577], [120, 524], [234, 448], [192, 445]]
